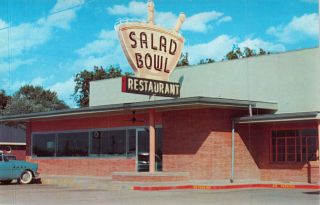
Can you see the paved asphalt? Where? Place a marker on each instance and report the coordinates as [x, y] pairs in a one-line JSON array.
[[37, 194]]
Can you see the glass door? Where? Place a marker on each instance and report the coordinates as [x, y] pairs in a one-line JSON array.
[[142, 140]]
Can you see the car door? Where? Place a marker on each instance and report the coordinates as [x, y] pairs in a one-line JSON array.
[[17, 168], [5, 169]]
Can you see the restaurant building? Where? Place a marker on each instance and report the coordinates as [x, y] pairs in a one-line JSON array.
[[13, 141], [255, 119]]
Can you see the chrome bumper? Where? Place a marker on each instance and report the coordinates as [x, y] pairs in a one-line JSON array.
[[36, 175]]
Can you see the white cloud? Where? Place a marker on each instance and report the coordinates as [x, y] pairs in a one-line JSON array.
[[5, 66], [104, 51], [26, 36], [38, 81], [134, 8], [64, 90], [199, 22], [66, 4], [105, 41], [299, 28], [165, 19], [224, 19], [221, 45], [216, 48], [3, 24], [12, 86], [257, 43]]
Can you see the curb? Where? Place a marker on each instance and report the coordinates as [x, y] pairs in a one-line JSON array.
[[226, 187]]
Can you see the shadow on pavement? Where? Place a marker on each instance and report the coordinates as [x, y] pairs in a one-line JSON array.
[[15, 182], [312, 192]]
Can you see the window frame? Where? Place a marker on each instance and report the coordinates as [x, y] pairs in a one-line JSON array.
[[296, 145], [90, 131]]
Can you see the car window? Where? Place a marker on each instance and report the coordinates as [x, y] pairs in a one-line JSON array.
[[10, 157], [5, 158], [0, 158]]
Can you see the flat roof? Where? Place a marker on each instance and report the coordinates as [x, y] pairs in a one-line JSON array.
[[168, 103], [299, 116]]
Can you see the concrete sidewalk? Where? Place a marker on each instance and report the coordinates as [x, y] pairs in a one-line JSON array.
[[105, 183]]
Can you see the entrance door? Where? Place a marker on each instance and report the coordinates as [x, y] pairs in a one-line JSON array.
[[142, 150], [142, 140]]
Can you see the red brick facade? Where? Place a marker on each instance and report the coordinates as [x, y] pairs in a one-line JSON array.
[[197, 141], [259, 143], [84, 166]]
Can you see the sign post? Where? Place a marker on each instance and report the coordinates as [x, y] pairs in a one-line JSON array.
[[153, 52]]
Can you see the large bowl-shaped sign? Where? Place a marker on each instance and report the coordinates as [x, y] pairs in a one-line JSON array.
[[153, 52]]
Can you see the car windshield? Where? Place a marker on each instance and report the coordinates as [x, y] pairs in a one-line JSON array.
[[5, 158]]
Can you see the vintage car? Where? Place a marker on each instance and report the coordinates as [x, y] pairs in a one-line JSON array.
[[143, 162], [22, 171]]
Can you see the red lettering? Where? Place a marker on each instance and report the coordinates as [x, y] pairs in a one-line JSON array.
[[139, 60]]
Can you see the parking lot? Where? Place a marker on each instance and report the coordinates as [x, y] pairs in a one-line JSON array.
[[37, 194]]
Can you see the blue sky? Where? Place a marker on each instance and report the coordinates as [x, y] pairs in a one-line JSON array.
[[45, 42]]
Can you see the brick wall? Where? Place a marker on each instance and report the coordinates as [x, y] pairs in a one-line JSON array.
[[260, 150], [19, 152], [83, 166], [199, 142]]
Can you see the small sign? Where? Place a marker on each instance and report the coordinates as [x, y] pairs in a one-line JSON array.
[[150, 87]]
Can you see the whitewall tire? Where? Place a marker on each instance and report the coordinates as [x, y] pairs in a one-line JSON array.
[[26, 177]]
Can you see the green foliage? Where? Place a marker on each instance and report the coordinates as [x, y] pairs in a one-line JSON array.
[[31, 98], [4, 98], [82, 80], [234, 54], [184, 60], [246, 53], [207, 60]]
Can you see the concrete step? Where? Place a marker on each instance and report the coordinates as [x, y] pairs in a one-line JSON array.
[[106, 183], [83, 182]]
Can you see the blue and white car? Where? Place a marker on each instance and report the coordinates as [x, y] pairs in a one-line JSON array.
[[22, 171]]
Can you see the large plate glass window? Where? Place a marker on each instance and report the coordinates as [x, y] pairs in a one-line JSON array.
[[73, 144], [43, 145]]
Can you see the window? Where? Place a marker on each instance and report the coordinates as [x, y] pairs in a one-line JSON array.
[[44, 145], [97, 143], [74, 144], [131, 144], [294, 145], [108, 143]]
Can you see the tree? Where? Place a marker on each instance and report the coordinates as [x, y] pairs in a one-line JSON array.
[[207, 60], [183, 61], [82, 80], [246, 53], [234, 54], [4, 98], [31, 98]]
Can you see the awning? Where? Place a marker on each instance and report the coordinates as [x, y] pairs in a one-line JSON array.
[[285, 117], [178, 103]]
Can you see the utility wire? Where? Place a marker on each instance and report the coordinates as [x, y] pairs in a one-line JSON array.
[[53, 13]]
